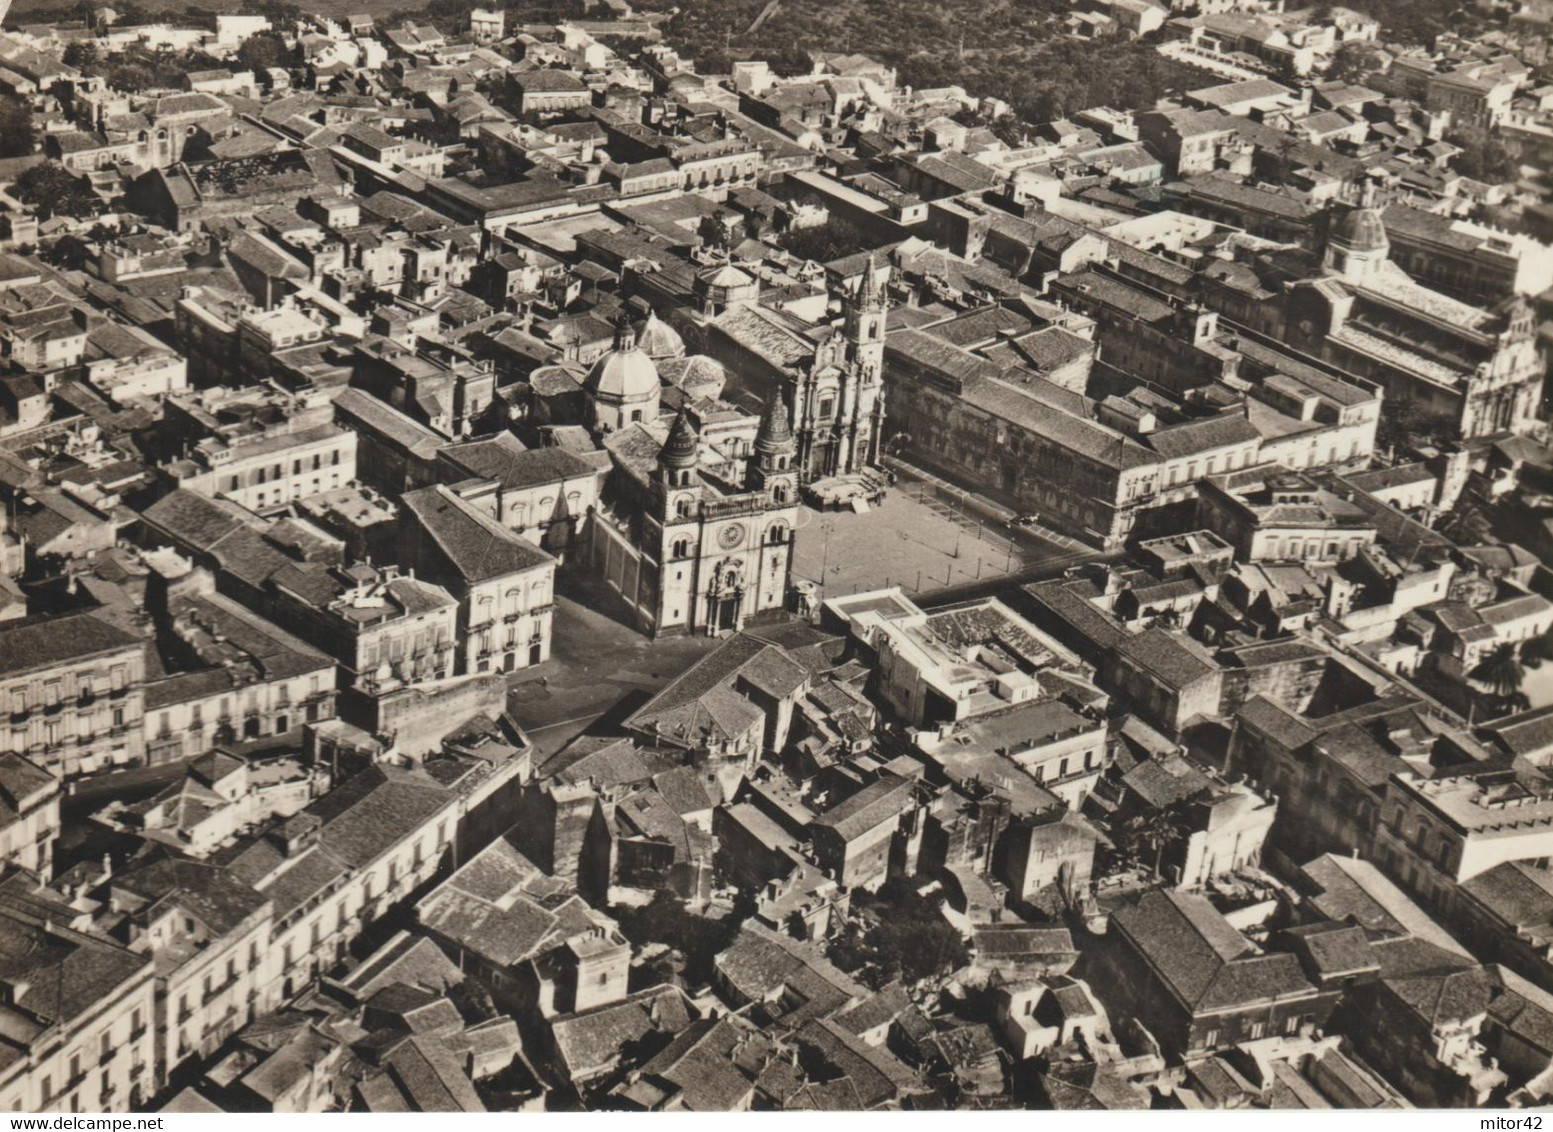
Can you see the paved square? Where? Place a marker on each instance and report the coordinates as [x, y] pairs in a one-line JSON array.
[[913, 539]]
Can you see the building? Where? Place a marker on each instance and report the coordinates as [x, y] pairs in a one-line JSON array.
[[545, 494], [1473, 371], [697, 539], [249, 678], [504, 584], [239, 451], [29, 815], [79, 1011], [832, 391], [853, 840], [75, 689], [1199, 985]]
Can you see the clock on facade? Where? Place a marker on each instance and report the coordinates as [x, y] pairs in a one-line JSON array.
[[731, 537]]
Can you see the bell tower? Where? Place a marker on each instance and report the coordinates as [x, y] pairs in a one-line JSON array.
[[864, 326], [773, 468]]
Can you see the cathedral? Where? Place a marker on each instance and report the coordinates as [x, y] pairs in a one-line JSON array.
[[695, 528], [829, 376]]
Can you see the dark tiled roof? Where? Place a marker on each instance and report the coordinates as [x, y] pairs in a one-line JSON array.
[[43, 642], [475, 546]]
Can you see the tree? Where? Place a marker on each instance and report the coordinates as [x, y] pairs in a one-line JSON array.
[[16, 138], [1484, 156], [473, 1001], [1145, 836], [55, 191], [824, 242], [81, 54], [263, 51], [900, 935], [666, 920], [1501, 672], [1353, 63]]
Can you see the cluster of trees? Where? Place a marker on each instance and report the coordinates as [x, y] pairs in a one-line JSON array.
[[265, 50], [16, 136], [697, 939], [1484, 155], [449, 16], [835, 238], [138, 68], [1010, 49], [1418, 22], [1140, 841], [54, 190], [897, 933]]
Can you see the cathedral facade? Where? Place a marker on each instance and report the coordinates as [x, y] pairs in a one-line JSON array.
[[828, 376], [695, 530]]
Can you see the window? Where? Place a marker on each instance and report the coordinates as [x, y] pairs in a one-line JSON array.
[[1211, 1039], [1257, 1030]]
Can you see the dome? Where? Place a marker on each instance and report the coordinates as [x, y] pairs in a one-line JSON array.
[[1361, 229], [727, 276], [658, 340], [624, 374]]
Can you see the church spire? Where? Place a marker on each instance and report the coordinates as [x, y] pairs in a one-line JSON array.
[[870, 293], [776, 434], [679, 451], [625, 337]]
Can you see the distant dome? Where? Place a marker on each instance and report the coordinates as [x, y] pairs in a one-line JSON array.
[[624, 374], [658, 340], [1361, 229], [727, 276]]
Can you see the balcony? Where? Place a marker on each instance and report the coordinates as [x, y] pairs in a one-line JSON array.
[[108, 1055], [136, 1034], [107, 1094], [511, 617], [217, 991]]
